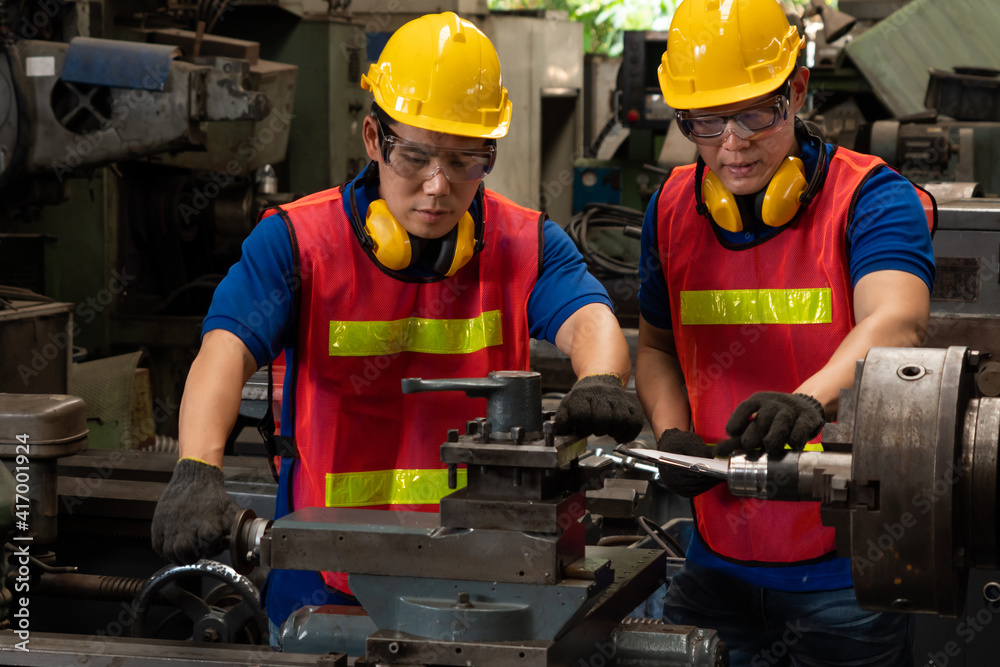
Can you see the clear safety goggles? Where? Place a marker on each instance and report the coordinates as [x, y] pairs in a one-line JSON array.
[[748, 123], [410, 159]]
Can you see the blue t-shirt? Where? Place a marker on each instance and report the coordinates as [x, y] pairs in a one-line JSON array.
[[889, 232], [254, 300]]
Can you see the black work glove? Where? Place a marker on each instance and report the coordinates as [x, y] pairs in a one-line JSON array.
[[684, 483], [792, 419], [194, 515], [599, 405]]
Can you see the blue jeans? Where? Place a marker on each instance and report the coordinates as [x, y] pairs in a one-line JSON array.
[[764, 627]]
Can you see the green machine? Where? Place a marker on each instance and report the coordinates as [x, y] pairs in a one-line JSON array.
[[137, 175]]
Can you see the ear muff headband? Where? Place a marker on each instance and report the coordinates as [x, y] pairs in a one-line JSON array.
[[785, 194]]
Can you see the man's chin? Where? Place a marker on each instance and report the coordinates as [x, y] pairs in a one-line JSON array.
[[430, 231], [744, 186]]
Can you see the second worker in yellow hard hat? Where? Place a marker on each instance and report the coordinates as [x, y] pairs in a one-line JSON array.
[[769, 267]]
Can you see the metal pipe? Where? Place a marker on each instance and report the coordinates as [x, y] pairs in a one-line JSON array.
[[794, 476]]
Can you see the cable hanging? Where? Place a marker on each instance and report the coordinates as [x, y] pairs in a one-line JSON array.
[[597, 216]]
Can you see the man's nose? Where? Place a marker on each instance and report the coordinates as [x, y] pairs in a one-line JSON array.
[[733, 136], [437, 183]]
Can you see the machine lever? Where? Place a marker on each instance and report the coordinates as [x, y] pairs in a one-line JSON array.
[[473, 387], [513, 398]]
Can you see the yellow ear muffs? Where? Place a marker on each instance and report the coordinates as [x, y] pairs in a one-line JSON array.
[[391, 242], [465, 244], [777, 206], [721, 204], [394, 249], [783, 195]]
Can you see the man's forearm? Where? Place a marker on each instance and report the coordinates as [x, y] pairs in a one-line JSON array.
[[659, 380], [211, 400], [660, 385], [594, 342]]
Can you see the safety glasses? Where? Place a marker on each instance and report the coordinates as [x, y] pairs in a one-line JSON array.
[[752, 122], [410, 159]]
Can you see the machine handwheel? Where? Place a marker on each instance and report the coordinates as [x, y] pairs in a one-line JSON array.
[[230, 613]]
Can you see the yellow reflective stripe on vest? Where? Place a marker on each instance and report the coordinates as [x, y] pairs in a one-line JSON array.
[[752, 306], [415, 334], [389, 487]]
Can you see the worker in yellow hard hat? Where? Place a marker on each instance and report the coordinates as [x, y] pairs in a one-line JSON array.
[[770, 267], [411, 269]]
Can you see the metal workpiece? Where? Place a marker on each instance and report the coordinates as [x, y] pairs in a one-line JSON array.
[[747, 478], [824, 476], [647, 642], [414, 544], [513, 399], [820, 476]]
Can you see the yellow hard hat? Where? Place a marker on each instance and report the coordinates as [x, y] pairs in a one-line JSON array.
[[441, 73], [725, 51]]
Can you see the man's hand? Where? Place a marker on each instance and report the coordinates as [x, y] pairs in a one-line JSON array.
[[684, 483], [599, 405], [792, 419], [194, 515]]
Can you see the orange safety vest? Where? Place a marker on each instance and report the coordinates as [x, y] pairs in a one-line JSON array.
[[759, 318], [362, 442]]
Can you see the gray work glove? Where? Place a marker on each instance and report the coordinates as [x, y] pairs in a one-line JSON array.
[[792, 419], [194, 515], [684, 483], [599, 405]]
